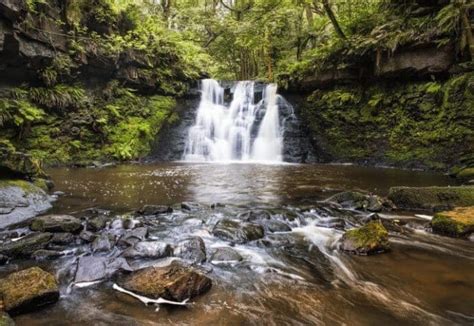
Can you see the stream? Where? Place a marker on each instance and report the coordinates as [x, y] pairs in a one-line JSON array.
[[296, 277]]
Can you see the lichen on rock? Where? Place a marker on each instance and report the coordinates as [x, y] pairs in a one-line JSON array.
[[371, 238], [458, 222]]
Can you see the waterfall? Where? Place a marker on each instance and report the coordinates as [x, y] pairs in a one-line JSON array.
[[223, 133]]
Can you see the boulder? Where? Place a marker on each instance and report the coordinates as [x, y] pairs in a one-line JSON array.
[[21, 200], [131, 237], [155, 210], [225, 254], [97, 223], [371, 238], [91, 268], [361, 201], [62, 238], [28, 290], [56, 223], [87, 236], [192, 249], [237, 231], [175, 282], [26, 245], [275, 226], [148, 249], [255, 215], [432, 198], [44, 254], [458, 222]]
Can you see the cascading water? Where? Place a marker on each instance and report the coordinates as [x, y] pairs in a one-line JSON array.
[[226, 133]]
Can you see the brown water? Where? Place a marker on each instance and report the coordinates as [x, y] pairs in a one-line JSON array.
[[424, 280]]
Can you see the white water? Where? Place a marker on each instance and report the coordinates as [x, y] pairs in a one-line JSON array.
[[226, 133]]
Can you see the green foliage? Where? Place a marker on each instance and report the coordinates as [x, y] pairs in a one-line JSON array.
[[60, 97]]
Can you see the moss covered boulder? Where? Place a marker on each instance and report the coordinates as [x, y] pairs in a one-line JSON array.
[[28, 290], [432, 198], [173, 282], [371, 238], [56, 223], [458, 222]]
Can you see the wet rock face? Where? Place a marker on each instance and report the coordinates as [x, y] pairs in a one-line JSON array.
[[457, 223], [28, 290], [26, 246], [225, 254], [175, 282], [238, 231], [371, 238], [56, 223], [192, 249], [21, 200]]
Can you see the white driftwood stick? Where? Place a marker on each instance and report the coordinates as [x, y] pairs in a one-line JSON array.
[[146, 300]]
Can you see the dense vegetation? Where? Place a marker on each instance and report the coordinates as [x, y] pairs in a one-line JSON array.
[[103, 75]]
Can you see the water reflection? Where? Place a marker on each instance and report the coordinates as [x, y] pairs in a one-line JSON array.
[[130, 186]]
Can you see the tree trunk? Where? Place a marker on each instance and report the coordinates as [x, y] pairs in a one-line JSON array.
[[332, 17]]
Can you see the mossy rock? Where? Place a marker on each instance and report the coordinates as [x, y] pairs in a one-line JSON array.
[[56, 223], [432, 198], [371, 238], [458, 222], [28, 290], [467, 173], [26, 246]]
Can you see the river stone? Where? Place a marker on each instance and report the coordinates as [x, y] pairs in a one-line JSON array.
[[91, 268], [255, 215], [27, 245], [132, 237], [275, 226], [56, 223], [28, 290], [155, 210], [102, 243], [87, 236], [225, 254], [190, 206], [148, 249], [237, 231], [458, 222], [192, 249], [21, 200], [97, 223], [62, 238], [361, 201], [371, 238], [175, 282]]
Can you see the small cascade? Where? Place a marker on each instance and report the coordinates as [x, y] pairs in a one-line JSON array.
[[235, 132]]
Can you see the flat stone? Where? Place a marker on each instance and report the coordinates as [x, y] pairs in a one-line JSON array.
[[56, 223], [28, 290], [87, 236], [62, 238], [192, 249], [175, 282], [225, 254], [102, 243], [238, 231], [132, 237], [26, 245], [91, 268], [148, 249]]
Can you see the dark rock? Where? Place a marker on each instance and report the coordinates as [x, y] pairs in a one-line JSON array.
[[255, 215], [97, 223], [190, 206], [155, 210], [217, 205], [28, 290], [134, 236], [225, 254], [192, 249], [275, 226], [237, 231], [56, 223], [21, 200], [26, 246], [175, 282], [148, 249], [90, 268], [87, 236], [360, 201], [372, 238], [44, 254], [102, 243], [63, 238], [3, 260]]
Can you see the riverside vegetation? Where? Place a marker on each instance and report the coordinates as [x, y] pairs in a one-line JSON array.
[[100, 82]]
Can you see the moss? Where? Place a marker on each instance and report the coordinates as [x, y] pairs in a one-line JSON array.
[[370, 238], [456, 223], [28, 289], [433, 198], [26, 186], [413, 124], [467, 173]]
